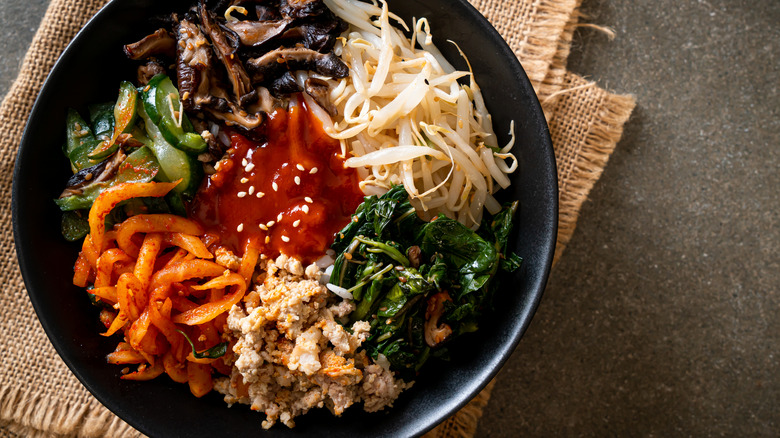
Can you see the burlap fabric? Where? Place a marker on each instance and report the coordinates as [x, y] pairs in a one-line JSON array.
[[38, 394]]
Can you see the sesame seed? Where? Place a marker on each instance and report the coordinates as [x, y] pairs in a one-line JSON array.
[[279, 217], [296, 223], [240, 228], [243, 162], [297, 180], [251, 190], [275, 186], [260, 195], [300, 167], [313, 170], [308, 199], [285, 238], [263, 227], [267, 239], [305, 209], [241, 194], [249, 167], [244, 180], [270, 224]]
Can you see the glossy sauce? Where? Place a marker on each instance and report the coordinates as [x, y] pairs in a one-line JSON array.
[[312, 209]]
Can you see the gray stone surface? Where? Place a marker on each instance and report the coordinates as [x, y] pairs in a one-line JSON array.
[[662, 317]]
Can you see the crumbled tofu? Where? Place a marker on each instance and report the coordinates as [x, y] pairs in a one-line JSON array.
[[291, 354]]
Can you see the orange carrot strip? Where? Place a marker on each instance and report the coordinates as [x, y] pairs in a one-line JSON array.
[[112, 196], [138, 330], [191, 243], [185, 270], [121, 357], [150, 223], [127, 289], [153, 343], [117, 324], [160, 318], [146, 372], [199, 378], [144, 266], [249, 260], [210, 239], [106, 293], [209, 311], [89, 252], [216, 294], [81, 271], [105, 265], [182, 304], [211, 334], [175, 369]]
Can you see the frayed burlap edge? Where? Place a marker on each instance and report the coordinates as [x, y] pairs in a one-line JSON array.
[[534, 42], [26, 414], [605, 130]]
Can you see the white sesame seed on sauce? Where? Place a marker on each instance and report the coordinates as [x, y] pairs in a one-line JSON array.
[[270, 224], [267, 239], [285, 238], [244, 180], [308, 199], [251, 190], [279, 217], [240, 228], [313, 170], [275, 186], [300, 167], [260, 195], [243, 162], [297, 180], [263, 227], [241, 194], [305, 209], [249, 167], [296, 223]]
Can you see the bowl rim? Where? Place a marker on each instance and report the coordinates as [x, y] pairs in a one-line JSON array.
[[536, 291]]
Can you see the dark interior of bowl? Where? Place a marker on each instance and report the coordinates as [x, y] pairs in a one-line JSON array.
[[90, 71]]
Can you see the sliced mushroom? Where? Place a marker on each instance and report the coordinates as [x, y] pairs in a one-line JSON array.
[[319, 90], [96, 174], [274, 63], [318, 34], [193, 62], [226, 54], [256, 33], [149, 70], [265, 102], [231, 114], [435, 333], [285, 84], [266, 13], [158, 43], [301, 8]]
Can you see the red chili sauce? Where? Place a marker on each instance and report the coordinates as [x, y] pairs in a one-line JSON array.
[[314, 192]]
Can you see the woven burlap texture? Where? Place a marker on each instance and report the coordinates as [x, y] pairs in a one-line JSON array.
[[38, 394]]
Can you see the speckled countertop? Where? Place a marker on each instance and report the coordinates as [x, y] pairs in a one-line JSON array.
[[663, 316]]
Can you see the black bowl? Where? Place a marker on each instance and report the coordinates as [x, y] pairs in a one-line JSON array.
[[90, 70]]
